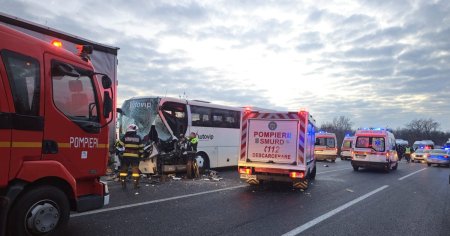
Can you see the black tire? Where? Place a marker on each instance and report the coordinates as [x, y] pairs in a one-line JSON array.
[[45, 200], [342, 158], [428, 164], [395, 167], [387, 168], [313, 173], [355, 168], [333, 160]]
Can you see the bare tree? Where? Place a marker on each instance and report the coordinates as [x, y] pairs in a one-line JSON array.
[[421, 129], [340, 126]]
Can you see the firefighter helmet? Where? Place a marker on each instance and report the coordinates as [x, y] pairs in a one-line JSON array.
[[132, 128]]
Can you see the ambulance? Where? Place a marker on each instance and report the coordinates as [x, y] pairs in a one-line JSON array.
[[346, 147], [374, 148], [325, 146], [277, 146]]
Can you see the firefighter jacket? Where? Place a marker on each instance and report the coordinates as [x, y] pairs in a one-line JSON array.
[[132, 142]]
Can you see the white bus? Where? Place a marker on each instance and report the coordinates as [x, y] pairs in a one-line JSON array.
[[217, 127]]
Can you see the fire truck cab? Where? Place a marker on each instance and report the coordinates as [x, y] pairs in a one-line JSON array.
[[54, 112]]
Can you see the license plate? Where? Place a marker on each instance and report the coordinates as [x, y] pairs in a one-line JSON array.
[[360, 156], [245, 176]]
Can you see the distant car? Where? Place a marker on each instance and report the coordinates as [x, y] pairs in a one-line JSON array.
[[439, 157], [420, 155]]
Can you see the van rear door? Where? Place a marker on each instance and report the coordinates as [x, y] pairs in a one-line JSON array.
[[370, 148]]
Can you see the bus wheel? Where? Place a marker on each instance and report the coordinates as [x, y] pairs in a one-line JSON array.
[[202, 163], [355, 168], [39, 211]]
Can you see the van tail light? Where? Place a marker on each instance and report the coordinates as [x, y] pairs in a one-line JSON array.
[[296, 175], [446, 156], [245, 170]]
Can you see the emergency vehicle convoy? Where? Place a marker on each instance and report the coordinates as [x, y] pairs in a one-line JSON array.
[[325, 146], [374, 148], [346, 147], [277, 146], [55, 109]]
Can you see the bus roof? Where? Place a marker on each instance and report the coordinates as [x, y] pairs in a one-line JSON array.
[[190, 102]]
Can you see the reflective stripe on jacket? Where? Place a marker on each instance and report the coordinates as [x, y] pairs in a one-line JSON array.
[[133, 145]]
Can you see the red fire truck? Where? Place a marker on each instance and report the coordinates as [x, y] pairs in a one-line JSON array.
[[55, 112]]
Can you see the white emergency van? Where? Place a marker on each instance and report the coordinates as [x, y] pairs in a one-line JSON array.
[[277, 146], [346, 147], [325, 146], [374, 148]]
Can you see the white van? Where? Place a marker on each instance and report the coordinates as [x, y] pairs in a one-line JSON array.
[[346, 147], [374, 148]]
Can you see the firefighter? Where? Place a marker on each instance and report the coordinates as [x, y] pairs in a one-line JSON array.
[[408, 153], [134, 149], [193, 141]]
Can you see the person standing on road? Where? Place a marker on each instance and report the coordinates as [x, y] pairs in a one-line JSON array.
[[408, 153], [134, 149], [400, 151]]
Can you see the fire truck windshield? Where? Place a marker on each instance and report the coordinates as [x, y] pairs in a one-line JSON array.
[[144, 113]]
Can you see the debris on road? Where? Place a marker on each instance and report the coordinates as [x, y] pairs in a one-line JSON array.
[[349, 190], [325, 165]]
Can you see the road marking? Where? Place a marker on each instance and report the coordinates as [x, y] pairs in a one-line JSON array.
[[415, 172], [155, 201], [332, 213], [333, 171]]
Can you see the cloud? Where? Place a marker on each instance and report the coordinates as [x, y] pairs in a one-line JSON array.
[[379, 63]]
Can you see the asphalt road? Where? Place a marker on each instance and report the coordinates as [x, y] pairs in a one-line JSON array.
[[413, 200]]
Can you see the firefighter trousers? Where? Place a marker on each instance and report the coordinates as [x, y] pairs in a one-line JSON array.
[[134, 163]]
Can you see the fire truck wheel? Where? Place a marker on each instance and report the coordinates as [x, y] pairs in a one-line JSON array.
[[40, 211]]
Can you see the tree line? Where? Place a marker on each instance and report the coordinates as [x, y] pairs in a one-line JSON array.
[[417, 129]]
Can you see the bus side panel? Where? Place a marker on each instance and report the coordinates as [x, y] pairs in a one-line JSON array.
[[220, 144], [227, 156]]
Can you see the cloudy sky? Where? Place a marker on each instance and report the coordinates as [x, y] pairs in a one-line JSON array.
[[380, 63]]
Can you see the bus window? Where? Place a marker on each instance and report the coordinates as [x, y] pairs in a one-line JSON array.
[[175, 115], [214, 117]]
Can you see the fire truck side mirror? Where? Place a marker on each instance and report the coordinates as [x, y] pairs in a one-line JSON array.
[[106, 82], [107, 104]]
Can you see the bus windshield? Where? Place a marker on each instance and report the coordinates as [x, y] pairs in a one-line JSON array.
[[143, 112]]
